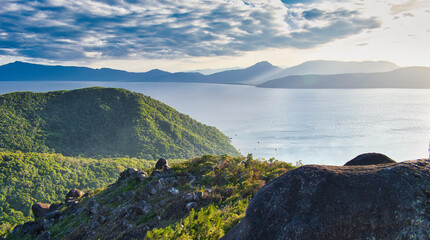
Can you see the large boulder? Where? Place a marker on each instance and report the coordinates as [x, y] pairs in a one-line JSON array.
[[40, 209], [370, 159], [161, 164], [390, 201]]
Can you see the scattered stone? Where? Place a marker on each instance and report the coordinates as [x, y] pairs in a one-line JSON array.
[[161, 164], [173, 191], [75, 193], [53, 215], [370, 159], [94, 209], [337, 202], [55, 206], [72, 204], [40, 209], [44, 236], [127, 195], [133, 173], [200, 195], [95, 224], [46, 224], [154, 187], [32, 227], [190, 206], [188, 197]]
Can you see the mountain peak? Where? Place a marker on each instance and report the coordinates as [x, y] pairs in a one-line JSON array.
[[262, 64]]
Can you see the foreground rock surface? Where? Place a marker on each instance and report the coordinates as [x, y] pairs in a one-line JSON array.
[[386, 201]]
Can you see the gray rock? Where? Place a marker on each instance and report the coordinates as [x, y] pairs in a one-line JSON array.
[[188, 197], [173, 191], [95, 224], [191, 205], [32, 227], [348, 202], [54, 214], [154, 187], [40, 209], [199, 195], [75, 193], [127, 195], [44, 236], [370, 159], [94, 209]]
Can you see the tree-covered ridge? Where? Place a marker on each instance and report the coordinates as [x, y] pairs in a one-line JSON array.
[[103, 122], [27, 178]]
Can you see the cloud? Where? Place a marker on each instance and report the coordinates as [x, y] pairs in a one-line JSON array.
[[404, 7], [124, 29]]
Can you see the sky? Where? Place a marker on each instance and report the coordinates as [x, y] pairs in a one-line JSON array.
[[140, 35]]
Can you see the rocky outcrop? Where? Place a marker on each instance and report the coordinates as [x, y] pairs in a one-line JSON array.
[[133, 173], [40, 209], [161, 164], [370, 159], [389, 201]]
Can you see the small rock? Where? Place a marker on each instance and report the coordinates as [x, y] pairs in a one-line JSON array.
[[191, 205], [75, 193], [94, 209], [154, 187], [188, 197], [44, 236], [95, 224], [32, 227], [200, 195], [173, 191], [72, 204], [53, 214], [127, 195]]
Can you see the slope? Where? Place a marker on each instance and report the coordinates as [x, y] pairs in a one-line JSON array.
[[26, 178], [103, 122], [201, 198]]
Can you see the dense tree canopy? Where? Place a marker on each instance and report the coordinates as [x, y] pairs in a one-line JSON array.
[[103, 122]]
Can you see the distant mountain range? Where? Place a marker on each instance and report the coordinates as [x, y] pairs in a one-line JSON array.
[[410, 77], [312, 74]]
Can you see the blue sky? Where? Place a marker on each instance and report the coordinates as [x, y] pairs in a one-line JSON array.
[[139, 35]]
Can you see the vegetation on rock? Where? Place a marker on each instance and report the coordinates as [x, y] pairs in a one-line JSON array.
[[26, 178], [201, 198]]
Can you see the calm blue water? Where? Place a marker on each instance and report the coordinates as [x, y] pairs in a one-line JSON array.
[[315, 126]]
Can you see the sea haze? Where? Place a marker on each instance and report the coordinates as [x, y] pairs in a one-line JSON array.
[[317, 126]]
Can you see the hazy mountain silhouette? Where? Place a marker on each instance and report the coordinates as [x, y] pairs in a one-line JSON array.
[[410, 77], [337, 67], [313, 74], [21, 71], [255, 74]]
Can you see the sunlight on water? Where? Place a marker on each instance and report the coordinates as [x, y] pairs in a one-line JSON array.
[[315, 126]]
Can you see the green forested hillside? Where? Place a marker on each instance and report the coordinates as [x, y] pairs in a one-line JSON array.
[[103, 122], [27, 178]]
